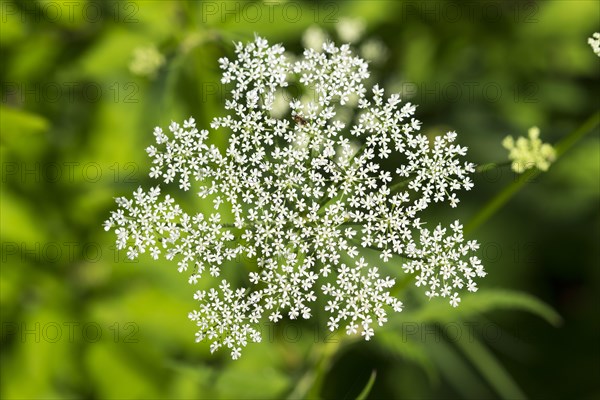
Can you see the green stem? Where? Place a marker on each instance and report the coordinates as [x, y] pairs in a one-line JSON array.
[[569, 141], [367, 389], [486, 167], [399, 185], [509, 191]]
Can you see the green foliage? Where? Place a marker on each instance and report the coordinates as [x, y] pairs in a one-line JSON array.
[[485, 301], [443, 357], [489, 367]]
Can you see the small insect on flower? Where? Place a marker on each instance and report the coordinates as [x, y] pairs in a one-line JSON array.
[[298, 119]]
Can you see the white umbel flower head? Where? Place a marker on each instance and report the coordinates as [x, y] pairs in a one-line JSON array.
[[594, 41], [526, 153], [299, 196]]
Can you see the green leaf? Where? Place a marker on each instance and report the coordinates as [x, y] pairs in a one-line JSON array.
[[367, 389], [251, 381], [485, 301], [23, 134], [457, 371], [19, 224], [113, 374], [328, 351], [111, 53], [409, 349], [16, 123], [491, 369], [41, 354], [13, 29]]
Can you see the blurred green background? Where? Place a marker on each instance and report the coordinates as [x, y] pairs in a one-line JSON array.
[[83, 85]]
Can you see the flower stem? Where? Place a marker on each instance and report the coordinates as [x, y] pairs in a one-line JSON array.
[[509, 191], [399, 185], [486, 167]]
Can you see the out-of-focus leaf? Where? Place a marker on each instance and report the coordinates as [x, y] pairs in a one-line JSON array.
[[65, 13], [274, 19], [191, 381], [371, 13], [19, 225], [112, 53], [40, 357], [18, 123], [252, 376], [561, 95], [165, 323], [107, 365], [580, 168], [13, 29], [576, 177], [457, 372], [485, 301], [367, 389], [419, 56], [491, 369], [410, 350], [114, 143], [27, 67], [158, 19], [11, 280]]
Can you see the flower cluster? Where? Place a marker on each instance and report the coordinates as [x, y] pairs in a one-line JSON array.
[[304, 195], [146, 61], [594, 41], [526, 153]]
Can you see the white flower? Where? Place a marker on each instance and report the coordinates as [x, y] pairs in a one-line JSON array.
[[526, 153], [297, 195], [454, 300], [594, 41]]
